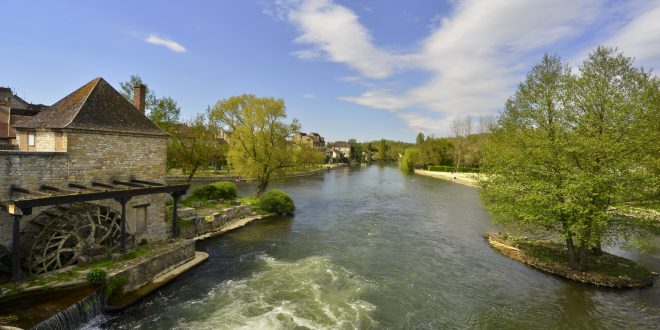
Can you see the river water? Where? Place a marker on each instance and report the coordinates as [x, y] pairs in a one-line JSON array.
[[371, 248]]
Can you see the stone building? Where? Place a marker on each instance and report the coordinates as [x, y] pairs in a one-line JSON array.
[[12, 110], [312, 139], [93, 136]]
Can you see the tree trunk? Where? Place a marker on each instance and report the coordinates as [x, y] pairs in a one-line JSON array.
[[192, 173], [597, 249], [572, 259], [584, 250]]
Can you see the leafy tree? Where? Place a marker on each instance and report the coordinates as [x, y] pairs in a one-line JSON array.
[[420, 138], [258, 147], [127, 91], [461, 127], [436, 151], [565, 148], [356, 151], [306, 155], [409, 161], [194, 144], [165, 112]]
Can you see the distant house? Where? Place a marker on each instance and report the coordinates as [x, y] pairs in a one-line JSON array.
[[313, 139], [341, 149], [12, 110]]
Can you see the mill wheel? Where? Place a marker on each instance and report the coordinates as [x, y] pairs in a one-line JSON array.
[[66, 235]]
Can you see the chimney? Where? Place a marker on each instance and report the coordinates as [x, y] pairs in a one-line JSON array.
[[139, 95]]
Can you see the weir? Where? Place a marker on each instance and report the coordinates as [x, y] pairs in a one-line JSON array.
[[76, 315]]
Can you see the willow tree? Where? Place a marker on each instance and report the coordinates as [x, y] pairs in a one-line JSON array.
[[258, 146], [567, 147]]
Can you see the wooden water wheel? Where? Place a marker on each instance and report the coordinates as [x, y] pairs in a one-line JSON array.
[[66, 235]]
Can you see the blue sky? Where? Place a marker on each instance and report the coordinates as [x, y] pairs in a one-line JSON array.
[[365, 69]]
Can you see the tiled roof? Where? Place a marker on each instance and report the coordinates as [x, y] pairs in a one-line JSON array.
[[341, 144], [95, 106]]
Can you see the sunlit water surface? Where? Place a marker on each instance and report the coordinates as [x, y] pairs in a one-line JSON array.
[[372, 248]]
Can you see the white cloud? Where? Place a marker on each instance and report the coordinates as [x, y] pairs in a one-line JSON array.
[[333, 32], [640, 38], [170, 44], [476, 55], [309, 96]]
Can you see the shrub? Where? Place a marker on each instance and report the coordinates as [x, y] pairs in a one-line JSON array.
[[113, 288], [275, 200], [214, 191], [97, 276]]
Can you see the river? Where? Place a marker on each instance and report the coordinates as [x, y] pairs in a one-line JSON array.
[[371, 248]]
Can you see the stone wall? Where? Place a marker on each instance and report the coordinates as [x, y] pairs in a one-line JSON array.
[[200, 225], [93, 156], [143, 272]]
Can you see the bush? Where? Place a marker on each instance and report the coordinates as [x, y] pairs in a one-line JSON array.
[[214, 191], [113, 288], [276, 200], [97, 276]]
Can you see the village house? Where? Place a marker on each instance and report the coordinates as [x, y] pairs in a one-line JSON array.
[[340, 150], [12, 110], [92, 140], [314, 140]]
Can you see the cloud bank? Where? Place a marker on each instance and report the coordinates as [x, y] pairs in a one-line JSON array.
[[476, 55]]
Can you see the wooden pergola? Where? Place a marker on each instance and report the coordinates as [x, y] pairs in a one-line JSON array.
[[22, 201]]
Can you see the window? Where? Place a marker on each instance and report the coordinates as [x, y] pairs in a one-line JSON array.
[[31, 136]]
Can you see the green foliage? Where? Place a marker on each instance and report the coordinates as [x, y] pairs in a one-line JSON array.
[[214, 191], [436, 151], [409, 160], [567, 147], [386, 150], [277, 201], [258, 147], [113, 287], [97, 276], [194, 144]]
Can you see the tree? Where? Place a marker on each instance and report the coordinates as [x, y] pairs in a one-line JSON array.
[[436, 151], [356, 151], [382, 149], [306, 155], [615, 121], [258, 147], [409, 161], [165, 112], [194, 144], [565, 148], [420, 138], [127, 91], [461, 127]]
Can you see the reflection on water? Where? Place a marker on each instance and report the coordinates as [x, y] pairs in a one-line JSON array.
[[372, 248]]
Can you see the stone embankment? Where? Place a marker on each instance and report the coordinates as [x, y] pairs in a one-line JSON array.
[[614, 272], [468, 179]]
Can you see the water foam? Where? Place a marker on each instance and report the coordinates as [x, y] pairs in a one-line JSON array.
[[313, 293]]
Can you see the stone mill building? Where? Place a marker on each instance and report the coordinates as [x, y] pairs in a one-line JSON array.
[[92, 140]]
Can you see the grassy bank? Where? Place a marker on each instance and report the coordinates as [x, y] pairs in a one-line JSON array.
[[606, 270]]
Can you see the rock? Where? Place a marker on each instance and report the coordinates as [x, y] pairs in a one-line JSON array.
[[197, 205], [186, 212]]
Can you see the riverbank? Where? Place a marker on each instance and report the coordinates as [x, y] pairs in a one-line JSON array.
[[141, 271], [233, 177], [468, 179], [606, 270]]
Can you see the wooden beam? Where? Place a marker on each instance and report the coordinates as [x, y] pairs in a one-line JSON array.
[[148, 183], [104, 185], [129, 184]]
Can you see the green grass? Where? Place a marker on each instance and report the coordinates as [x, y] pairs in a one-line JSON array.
[[556, 253]]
